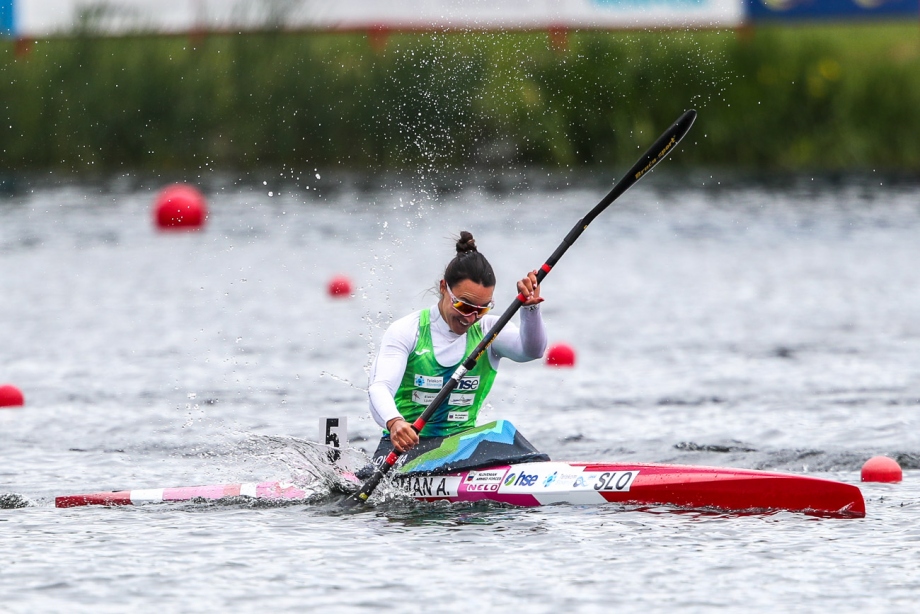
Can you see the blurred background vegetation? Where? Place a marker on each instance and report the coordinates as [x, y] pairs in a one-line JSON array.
[[839, 97]]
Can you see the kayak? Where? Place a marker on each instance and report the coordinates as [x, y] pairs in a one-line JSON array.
[[494, 462], [546, 483]]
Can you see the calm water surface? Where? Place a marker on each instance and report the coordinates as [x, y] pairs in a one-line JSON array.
[[745, 325]]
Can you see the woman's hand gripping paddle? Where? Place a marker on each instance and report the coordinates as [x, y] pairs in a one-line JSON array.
[[665, 144]]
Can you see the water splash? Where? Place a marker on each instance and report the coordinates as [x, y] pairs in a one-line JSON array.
[[323, 470], [343, 380], [313, 466]]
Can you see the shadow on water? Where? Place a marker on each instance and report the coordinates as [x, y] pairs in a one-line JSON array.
[[443, 514]]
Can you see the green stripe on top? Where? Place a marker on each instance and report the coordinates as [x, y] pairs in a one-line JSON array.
[[450, 447], [424, 377]]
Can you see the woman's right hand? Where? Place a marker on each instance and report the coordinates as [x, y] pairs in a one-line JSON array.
[[402, 435]]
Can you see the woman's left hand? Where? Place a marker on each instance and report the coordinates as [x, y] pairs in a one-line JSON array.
[[530, 289]]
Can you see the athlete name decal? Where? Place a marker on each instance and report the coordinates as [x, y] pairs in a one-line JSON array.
[[433, 486]]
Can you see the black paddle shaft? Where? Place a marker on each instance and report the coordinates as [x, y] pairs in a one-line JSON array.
[[665, 144]]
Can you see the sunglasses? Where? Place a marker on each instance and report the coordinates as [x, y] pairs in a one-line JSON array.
[[468, 309]]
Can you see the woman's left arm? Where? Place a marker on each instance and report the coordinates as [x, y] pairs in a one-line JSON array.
[[529, 341]]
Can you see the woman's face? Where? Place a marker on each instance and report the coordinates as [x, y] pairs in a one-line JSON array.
[[468, 292]]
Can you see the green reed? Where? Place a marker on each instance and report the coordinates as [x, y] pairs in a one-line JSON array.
[[832, 97]]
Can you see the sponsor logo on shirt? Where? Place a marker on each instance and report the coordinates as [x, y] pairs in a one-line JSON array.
[[468, 383], [424, 381], [461, 400], [436, 383], [458, 416], [457, 399]]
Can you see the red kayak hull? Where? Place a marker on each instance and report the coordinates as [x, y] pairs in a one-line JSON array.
[[735, 490]]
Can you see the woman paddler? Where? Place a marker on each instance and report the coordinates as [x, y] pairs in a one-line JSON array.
[[420, 351]]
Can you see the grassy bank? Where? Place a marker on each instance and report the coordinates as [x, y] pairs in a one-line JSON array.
[[840, 97]]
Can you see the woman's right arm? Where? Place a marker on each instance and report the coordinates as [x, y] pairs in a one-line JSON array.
[[386, 376], [389, 367]]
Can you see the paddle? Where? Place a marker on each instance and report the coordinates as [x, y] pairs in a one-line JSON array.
[[655, 154]]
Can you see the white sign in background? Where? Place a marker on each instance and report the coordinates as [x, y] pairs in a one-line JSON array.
[[50, 17]]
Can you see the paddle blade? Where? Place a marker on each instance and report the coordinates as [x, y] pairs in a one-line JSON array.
[[361, 497], [664, 145]]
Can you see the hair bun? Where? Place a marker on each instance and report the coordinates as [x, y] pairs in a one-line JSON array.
[[466, 243]]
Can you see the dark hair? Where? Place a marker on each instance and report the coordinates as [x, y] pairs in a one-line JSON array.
[[469, 264]]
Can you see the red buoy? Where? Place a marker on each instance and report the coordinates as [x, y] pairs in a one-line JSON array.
[[881, 469], [11, 396], [560, 355], [180, 207], [340, 287]]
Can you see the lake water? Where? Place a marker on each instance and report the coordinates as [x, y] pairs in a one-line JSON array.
[[758, 324]]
